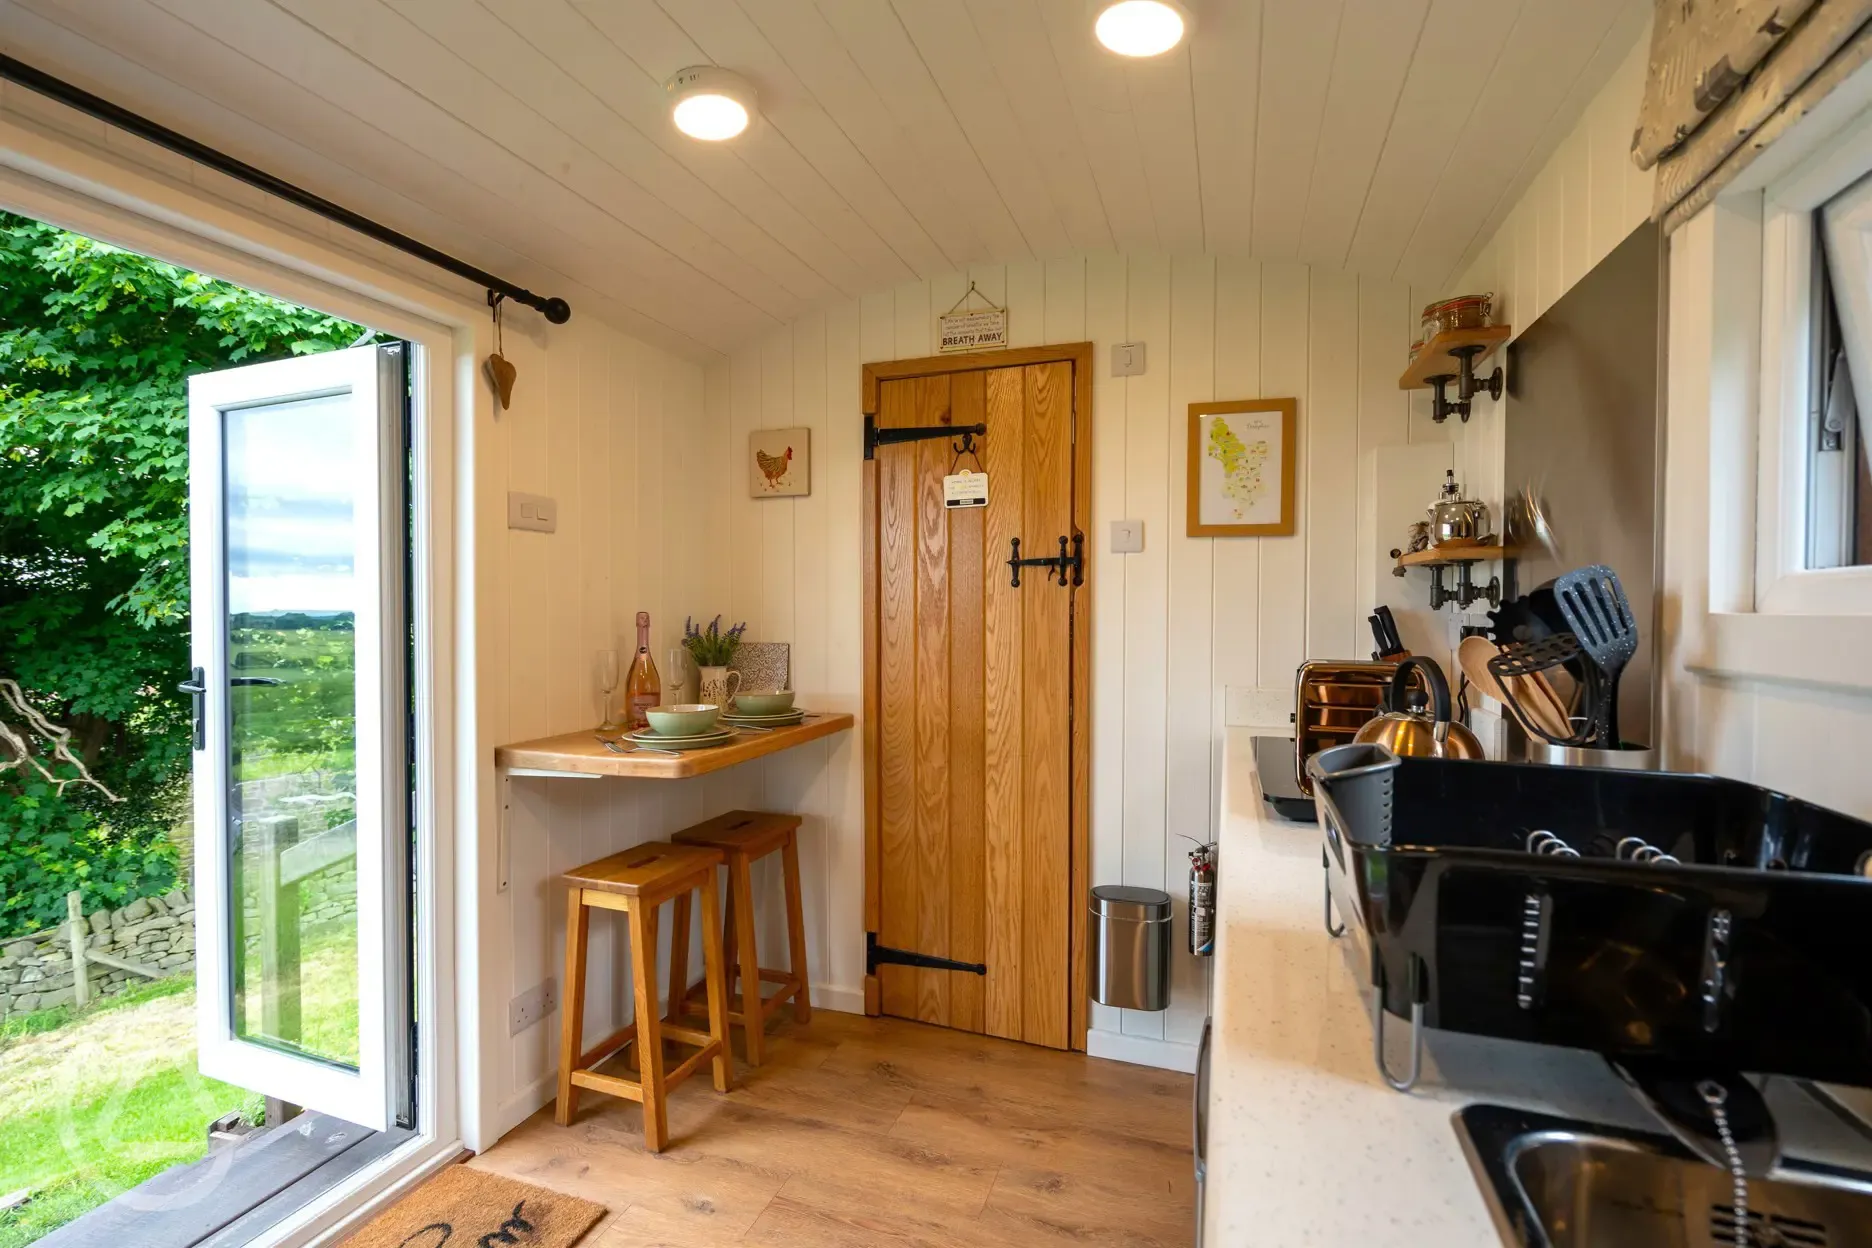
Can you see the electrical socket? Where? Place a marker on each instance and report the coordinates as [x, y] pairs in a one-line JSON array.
[[532, 1006], [532, 511]]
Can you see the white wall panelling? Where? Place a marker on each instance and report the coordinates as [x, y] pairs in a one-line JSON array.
[[1172, 625], [644, 453], [897, 141], [1581, 204]]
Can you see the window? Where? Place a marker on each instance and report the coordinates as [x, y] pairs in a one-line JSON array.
[[1763, 558], [1839, 473], [1813, 493]]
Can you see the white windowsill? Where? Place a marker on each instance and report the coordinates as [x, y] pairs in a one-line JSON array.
[[1832, 651]]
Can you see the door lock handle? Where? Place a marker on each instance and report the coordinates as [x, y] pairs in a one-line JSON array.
[[196, 686], [1061, 564]]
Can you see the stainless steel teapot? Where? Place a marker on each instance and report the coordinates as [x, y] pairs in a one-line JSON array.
[[1454, 518]]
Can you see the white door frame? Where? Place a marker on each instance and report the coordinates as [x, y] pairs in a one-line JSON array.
[[53, 177]]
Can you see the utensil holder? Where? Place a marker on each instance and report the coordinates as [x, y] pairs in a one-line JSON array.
[[1628, 757]]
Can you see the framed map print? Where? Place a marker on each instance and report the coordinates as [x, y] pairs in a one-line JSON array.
[[1241, 468]]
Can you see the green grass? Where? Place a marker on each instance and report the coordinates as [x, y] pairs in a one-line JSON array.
[[38, 1022], [94, 1102]]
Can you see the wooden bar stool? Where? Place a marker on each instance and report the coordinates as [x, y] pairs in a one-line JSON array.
[[636, 882], [744, 836]]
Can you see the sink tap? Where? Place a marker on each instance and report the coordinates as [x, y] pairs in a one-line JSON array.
[[1718, 1115]]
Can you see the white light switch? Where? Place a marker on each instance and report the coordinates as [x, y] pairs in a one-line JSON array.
[[1127, 537], [532, 511], [1127, 359]]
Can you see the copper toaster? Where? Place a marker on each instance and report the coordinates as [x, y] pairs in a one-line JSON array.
[[1332, 700]]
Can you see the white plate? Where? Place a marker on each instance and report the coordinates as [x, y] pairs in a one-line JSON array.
[[651, 737]]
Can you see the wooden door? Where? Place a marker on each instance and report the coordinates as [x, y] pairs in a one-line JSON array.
[[973, 859]]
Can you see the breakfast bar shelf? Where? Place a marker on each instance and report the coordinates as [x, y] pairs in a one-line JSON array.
[[582, 754]]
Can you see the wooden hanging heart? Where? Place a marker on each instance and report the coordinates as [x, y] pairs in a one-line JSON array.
[[501, 375]]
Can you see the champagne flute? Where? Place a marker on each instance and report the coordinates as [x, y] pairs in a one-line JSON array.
[[608, 683]]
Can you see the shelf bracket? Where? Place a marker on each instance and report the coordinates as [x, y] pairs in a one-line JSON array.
[[1467, 592], [1468, 385], [1442, 407]]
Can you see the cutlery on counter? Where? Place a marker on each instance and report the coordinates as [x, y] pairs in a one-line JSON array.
[[615, 748]]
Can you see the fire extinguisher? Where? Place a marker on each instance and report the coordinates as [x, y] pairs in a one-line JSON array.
[[1202, 898]]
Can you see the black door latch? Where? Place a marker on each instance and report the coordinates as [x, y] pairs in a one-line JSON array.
[[1060, 563]]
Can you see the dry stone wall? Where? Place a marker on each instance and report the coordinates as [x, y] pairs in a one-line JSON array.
[[157, 932]]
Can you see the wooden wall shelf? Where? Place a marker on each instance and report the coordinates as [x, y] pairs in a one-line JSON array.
[[1449, 556], [1435, 359]]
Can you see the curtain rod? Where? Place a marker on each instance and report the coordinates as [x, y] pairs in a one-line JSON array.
[[556, 310]]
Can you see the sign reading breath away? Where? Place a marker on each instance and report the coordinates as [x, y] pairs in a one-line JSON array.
[[984, 329]]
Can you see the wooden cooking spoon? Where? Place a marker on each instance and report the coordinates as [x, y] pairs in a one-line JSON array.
[[1536, 697]]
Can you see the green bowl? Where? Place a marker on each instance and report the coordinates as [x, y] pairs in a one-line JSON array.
[[764, 703], [687, 720]]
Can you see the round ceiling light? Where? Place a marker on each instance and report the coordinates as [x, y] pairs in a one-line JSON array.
[[710, 103], [1141, 27]]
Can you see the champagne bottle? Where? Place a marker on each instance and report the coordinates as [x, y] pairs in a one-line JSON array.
[[642, 688]]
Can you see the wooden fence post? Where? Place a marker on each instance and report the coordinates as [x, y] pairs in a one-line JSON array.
[[80, 936], [279, 927]]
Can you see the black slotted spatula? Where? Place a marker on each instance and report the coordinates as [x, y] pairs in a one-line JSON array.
[[1600, 615]]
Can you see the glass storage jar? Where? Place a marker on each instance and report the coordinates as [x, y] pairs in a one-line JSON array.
[[1462, 312]]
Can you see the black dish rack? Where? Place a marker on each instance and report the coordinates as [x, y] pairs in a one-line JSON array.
[[1682, 918]]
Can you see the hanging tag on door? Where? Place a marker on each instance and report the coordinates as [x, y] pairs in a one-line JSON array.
[[965, 489]]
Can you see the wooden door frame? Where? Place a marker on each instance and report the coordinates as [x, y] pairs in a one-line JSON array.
[[1079, 355]]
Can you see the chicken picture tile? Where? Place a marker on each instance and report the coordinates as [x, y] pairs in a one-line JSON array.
[[780, 463]]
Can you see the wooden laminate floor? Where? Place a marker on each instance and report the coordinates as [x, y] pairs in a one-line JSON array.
[[865, 1131]]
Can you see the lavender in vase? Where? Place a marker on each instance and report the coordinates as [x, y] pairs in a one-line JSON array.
[[713, 649]]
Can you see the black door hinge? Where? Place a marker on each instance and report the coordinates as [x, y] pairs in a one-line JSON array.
[[1061, 563], [875, 437], [877, 955]]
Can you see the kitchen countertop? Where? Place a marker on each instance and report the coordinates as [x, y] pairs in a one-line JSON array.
[[1306, 1144]]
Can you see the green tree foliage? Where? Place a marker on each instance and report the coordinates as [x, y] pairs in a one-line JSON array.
[[96, 348]]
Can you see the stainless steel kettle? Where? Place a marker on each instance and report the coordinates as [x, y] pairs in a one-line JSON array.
[[1415, 733]]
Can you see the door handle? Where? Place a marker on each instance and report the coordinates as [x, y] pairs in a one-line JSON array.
[[196, 686]]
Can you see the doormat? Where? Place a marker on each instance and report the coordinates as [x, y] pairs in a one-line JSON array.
[[463, 1208]]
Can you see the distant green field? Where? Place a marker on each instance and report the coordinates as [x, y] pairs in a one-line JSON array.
[[306, 723]]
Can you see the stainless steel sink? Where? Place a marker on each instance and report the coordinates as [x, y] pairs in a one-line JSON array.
[[1555, 1183]]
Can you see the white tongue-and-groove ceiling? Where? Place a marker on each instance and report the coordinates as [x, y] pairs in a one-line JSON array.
[[899, 139]]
